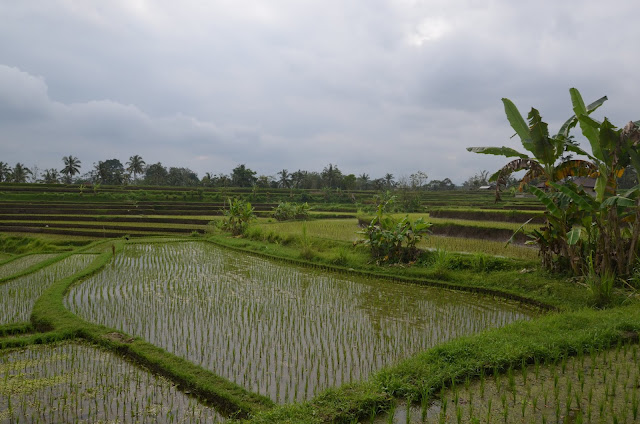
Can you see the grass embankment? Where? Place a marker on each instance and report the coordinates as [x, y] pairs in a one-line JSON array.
[[601, 385], [504, 277], [493, 215], [419, 378], [422, 377], [52, 322], [346, 230]]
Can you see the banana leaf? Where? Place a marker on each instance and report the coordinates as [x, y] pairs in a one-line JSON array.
[[547, 201], [571, 122], [584, 202], [499, 151], [518, 124], [573, 236]]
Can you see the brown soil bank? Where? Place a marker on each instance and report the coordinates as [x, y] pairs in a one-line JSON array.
[[483, 233], [519, 217]]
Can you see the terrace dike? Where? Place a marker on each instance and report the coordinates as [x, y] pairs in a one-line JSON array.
[[72, 236]]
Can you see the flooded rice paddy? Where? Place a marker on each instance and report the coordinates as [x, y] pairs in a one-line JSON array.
[[76, 383], [278, 330], [18, 296], [600, 386], [20, 264]]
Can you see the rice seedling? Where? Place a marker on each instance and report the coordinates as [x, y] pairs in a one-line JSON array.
[[79, 383], [22, 263], [576, 396], [277, 330], [18, 296]]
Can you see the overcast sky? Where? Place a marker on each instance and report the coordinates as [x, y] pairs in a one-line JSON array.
[[372, 86]]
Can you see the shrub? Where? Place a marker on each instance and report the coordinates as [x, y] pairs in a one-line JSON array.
[[286, 211], [394, 240], [237, 217]]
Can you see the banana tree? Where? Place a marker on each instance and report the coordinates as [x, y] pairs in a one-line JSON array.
[[544, 150]]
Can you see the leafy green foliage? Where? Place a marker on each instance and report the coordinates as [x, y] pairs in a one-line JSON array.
[[287, 211], [593, 237], [394, 240], [237, 217]]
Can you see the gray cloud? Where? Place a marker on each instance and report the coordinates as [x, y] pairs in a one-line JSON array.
[[373, 86]]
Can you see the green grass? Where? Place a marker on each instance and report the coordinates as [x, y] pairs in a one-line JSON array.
[[423, 376], [572, 331], [347, 230], [600, 385], [64, 382]]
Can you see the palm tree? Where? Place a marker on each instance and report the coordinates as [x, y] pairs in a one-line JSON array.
[[5, 172], [51, 176], [135, 166], [71, 167], [285, 179], [20, 173], [388, 178], [363, 179]]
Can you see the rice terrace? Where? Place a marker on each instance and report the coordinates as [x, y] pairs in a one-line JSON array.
[[334, 303]]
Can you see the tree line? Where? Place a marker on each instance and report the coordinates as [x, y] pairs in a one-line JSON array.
[[137, 172]]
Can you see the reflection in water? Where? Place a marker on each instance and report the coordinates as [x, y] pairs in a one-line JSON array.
[[278, 330]]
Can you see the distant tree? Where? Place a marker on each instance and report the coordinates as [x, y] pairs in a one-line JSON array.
[[349, 182], [363, 181], [182, 177], [440, 185], [241, 176], [265, 181], [331, 176], [285, 179], [418, 180], [156, 174], [51, 176], [478, 180], [135, 166], [71, 167], [388, 179], [297, 178], [222, 180], [378, 184], [35, 174], [109, 172], [20, 173], [5, 172], [207, 180]]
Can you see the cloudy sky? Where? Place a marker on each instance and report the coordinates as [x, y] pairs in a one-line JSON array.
[[373, 86]]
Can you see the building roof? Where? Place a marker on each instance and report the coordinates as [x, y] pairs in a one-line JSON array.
[[585, 182]]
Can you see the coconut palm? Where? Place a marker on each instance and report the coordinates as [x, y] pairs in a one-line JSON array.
[[20, 173], [388, 179], [51, 176], [135, 166], [363, 181], [5, 172], [285, 179], [71, 167]]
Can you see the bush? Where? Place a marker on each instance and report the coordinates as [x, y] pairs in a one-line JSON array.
[[286, 211], [394, 240], [238, 217]]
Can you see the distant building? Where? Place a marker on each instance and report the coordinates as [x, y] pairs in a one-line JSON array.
[[587, 184]]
